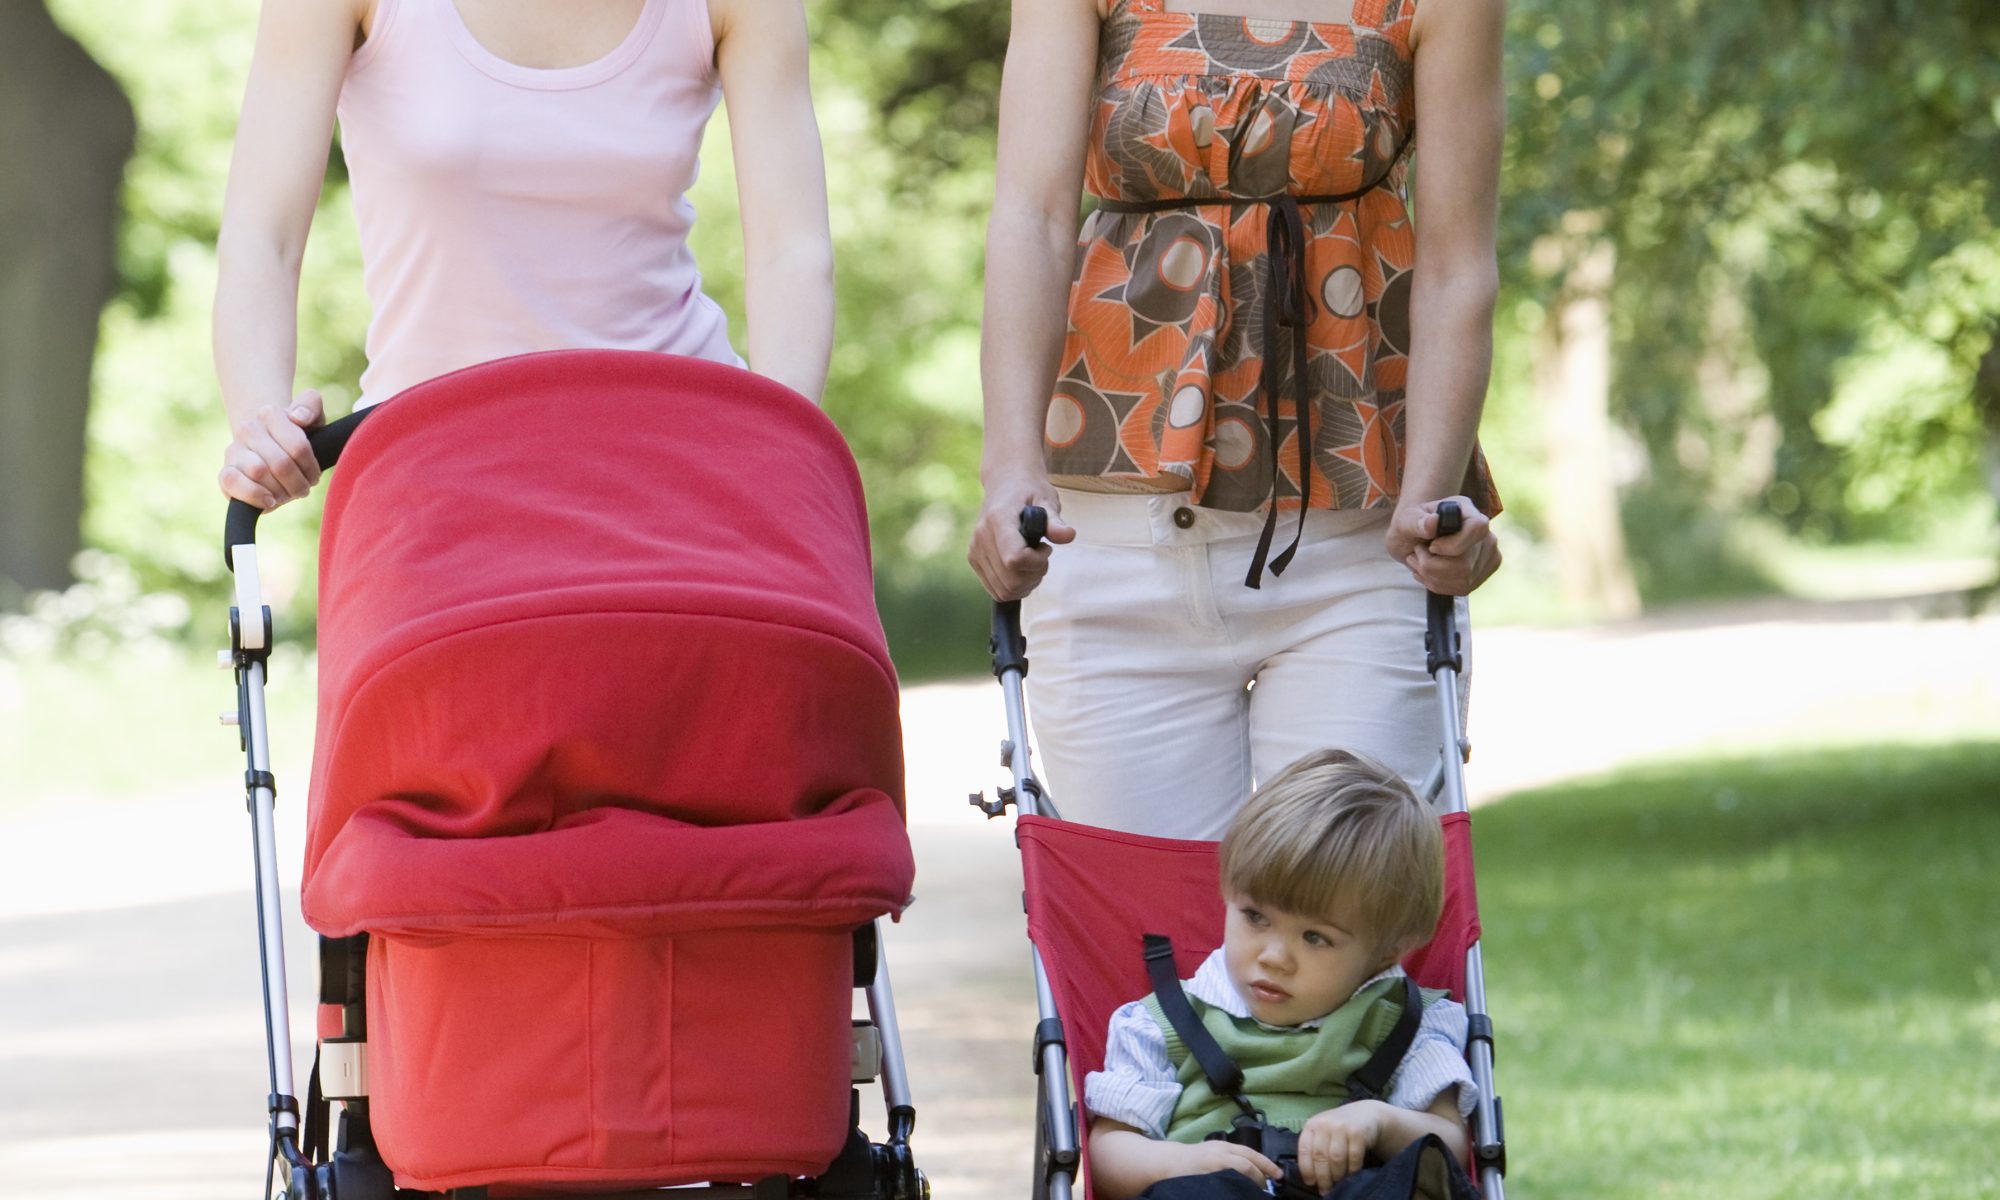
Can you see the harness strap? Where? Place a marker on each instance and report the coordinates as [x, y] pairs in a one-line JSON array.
[[1222, 1072], [1371, 1079]]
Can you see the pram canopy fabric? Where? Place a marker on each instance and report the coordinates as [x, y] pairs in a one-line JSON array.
[[599, 652], [609, 766]]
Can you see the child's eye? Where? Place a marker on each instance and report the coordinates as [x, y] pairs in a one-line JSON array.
[[1252, 915], [1315, 938]]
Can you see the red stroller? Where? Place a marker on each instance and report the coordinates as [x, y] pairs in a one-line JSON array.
[[1092, 893], [606, 799]]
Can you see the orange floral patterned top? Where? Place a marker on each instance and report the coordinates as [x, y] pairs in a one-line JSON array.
[[1203, 125]]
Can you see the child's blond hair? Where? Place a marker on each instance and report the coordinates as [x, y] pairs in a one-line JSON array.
[[1339, 832]]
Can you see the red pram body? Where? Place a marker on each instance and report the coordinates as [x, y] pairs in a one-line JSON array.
[[608, 766]]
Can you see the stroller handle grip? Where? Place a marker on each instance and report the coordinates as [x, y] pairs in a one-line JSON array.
[[240, 526], [1010, 649], [1441, 647]]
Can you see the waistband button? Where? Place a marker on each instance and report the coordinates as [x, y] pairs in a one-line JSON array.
[[1184, 517]]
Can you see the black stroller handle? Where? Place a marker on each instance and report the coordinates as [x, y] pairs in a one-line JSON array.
[[239, 528], [1010, 649], [1034, 525], [1441, 648]]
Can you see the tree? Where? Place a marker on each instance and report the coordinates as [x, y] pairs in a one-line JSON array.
[[66, 131]]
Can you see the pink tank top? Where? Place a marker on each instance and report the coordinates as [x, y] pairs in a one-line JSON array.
[[505, 209]]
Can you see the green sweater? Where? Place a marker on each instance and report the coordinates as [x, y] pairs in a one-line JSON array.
[[1292, 1073]]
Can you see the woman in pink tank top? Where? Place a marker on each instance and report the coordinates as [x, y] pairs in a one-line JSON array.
[[520, 172]]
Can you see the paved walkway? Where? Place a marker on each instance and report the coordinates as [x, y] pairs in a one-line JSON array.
[[130, 1037]]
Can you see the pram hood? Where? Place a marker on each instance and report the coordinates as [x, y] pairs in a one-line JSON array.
[[599, 652]]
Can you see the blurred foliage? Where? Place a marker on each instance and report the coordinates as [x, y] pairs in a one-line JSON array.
[[1800, 196], [1821, 173]]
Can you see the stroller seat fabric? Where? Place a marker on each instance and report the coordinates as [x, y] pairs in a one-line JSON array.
[[608, 766], [1094, 893]]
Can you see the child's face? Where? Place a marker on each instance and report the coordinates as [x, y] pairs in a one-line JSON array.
[[1290, 968]]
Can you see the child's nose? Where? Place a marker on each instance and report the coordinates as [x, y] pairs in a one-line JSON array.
[[1274, 953]]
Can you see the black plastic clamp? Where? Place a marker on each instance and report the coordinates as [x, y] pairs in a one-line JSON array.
[[236, 637], [276, 1103], [866, 954], [1007, 645], [1061, 1161], [252, 780], [1049, 1032], [1479, 1028], [1492, 1151]]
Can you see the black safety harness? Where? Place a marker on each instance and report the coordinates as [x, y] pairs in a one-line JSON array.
[[1370, 1081]]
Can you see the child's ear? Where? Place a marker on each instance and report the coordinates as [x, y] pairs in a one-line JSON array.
[[1403, 949]]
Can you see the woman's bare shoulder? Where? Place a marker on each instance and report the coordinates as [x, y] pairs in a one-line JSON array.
[[1476, 17]]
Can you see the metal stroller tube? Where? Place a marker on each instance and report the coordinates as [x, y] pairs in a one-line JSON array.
[[1058, 1154], [1445, 659], [249, 655]]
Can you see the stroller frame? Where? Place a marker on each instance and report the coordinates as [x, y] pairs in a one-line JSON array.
[[1058, 1135], [351, 1169]]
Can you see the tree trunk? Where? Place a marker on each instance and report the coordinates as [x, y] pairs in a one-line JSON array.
[[1572, 374], [66, 130], [1986, 397]]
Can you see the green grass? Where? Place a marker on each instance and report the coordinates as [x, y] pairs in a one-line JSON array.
[[1752, 978]]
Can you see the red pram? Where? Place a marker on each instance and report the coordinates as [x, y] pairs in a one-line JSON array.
[[1092, 893], [607, 792]]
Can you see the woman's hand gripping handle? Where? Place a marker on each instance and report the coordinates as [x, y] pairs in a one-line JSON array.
[[1441, 646], [1010, 649]]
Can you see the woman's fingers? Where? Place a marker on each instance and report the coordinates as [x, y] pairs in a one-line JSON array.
[[1006, 565], [1472, 530], [287, 432], [1453, 564], [239, 486], [271, 459]]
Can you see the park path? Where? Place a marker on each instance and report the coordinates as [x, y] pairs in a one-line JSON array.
[[129, 1021]]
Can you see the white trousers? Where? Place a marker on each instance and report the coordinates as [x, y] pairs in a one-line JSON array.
[[1161, 689]]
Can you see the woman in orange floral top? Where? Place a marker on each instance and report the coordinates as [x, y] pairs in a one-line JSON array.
[[1264, 381]]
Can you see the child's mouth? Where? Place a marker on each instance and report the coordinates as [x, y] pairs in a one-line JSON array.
[[1269, 993]]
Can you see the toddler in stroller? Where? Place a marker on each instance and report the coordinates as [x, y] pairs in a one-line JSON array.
[[1093, 894], [606, 798], [1299, 1050]]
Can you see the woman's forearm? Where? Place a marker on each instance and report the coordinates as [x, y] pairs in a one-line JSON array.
[[788, 312], [255, 337], [1451, 359], [1028, 266]]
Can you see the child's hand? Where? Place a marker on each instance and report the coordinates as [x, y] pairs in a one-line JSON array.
[[1334, 1144], [1207, 1157]]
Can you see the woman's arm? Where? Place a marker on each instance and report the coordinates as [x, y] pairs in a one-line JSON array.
[[1045, 97], [761, 51], [1461, 117], [1125, 1162], [274, 181]]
